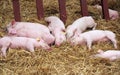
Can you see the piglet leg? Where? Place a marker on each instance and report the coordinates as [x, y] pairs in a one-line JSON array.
[[3, 50]]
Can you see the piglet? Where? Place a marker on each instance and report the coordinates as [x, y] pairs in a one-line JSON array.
[[31, 30], [94, 36], [57, 28], [113, 14], [109, 54], [80, 25], [21, 42]]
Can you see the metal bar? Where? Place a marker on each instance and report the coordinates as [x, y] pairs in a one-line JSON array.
[[84, 8], [62, 9], [40, 10], [105, 9], [16, 10]]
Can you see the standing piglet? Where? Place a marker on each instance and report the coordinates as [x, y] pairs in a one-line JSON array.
[[57, 28], [112, 13], [79, 26], [94, 36], [32, 30], [21, 42], [109, 54]]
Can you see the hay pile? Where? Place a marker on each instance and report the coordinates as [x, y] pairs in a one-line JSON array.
[[65, 60]]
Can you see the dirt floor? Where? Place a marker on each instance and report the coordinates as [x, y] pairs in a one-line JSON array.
[[63, 60]]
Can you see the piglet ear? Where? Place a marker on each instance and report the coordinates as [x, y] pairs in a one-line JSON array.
[[13, 22]]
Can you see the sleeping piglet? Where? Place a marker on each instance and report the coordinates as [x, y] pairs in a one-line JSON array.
[[31, 30], [57, 28], [21, 42], [109, 54]]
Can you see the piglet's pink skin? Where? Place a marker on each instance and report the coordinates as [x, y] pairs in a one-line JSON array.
[[112, 55], [21, 42], [112, 13], [59, 37], [80, 25], [57, 28], [94, 36], [31, 30]]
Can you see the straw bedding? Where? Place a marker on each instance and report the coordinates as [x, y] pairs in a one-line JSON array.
[[63, 60]]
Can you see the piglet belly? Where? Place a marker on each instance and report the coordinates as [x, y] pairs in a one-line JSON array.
[[103, 39]]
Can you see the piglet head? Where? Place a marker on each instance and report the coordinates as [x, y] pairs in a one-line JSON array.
[[60, 37], [12, 32], [51, 18], [48, 20], [44, 45], [77, 40], [60, 40], [69, 34], [10, 28]]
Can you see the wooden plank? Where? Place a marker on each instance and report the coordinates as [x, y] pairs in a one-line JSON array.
[[62, 9], [105, 9], [16, 10], [40, 10], [84, 9]]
